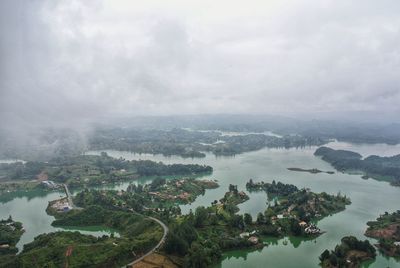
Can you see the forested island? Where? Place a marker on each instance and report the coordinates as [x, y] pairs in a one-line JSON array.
[[386, 229], [350, 253], [380, 168], [312, 170], [296, 207], [89, 170], [300, 202]]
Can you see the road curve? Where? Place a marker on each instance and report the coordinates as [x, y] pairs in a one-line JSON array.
[[166, 230]]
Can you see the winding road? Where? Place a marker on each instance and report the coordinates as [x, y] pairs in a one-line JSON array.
[[166, 230]]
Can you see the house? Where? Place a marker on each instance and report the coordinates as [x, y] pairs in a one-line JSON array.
[[303, 224], [244, 235], [397, 243], [280, 216], [253, 240], [5, 246]]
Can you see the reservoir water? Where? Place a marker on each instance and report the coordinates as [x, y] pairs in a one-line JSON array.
[[369, 199]]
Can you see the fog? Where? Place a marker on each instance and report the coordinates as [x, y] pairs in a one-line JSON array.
[[72, 61]]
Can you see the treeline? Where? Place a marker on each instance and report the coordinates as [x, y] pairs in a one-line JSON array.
[[381, 168], [273, 188], [92, 170], [151, 168], [187, 143]]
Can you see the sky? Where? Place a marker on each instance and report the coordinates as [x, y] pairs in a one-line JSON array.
[[70, 61]]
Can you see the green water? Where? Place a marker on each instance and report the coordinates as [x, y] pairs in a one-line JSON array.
[[29, 208], [369, 199]]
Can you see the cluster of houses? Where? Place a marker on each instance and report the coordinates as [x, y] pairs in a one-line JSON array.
[[309, 228]]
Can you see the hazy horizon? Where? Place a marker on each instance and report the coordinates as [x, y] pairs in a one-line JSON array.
[[71, 62]]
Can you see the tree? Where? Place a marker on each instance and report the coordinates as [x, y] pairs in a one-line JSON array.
[[200, 216], [175, 245], [325, 255], [248, 220], [260, 218], [237, 221], [197, 257]]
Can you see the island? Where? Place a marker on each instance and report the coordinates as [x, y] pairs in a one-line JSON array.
[[350, 253], [312, 171], [376, 167], [386, 228], [232, 198], [294, 211]]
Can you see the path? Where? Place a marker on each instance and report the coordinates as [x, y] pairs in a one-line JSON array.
[[166, 230], [69, 197]]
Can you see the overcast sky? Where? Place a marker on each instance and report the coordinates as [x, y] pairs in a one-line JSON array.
[[69, 60]]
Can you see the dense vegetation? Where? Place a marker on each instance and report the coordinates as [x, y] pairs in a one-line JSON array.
[[201, 237], [160, 194], [93, 170], [382, 168], [72, 249], [350, 253], [62, 249], [386, 228]]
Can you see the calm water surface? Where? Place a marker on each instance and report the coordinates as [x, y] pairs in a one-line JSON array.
[[369, 199]]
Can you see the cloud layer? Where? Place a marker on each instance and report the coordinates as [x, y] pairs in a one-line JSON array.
[[71, 61]]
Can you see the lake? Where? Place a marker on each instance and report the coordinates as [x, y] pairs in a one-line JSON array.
[[369, 199]]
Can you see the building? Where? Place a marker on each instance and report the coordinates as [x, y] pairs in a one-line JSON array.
[[303, 224], [244, 235], [253, 240]]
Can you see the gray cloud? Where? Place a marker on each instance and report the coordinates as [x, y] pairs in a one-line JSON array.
[[74, 61]]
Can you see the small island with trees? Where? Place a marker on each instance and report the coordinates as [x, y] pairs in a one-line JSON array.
[[292, 210], [312, 170], [350, 253], [386, 228]]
